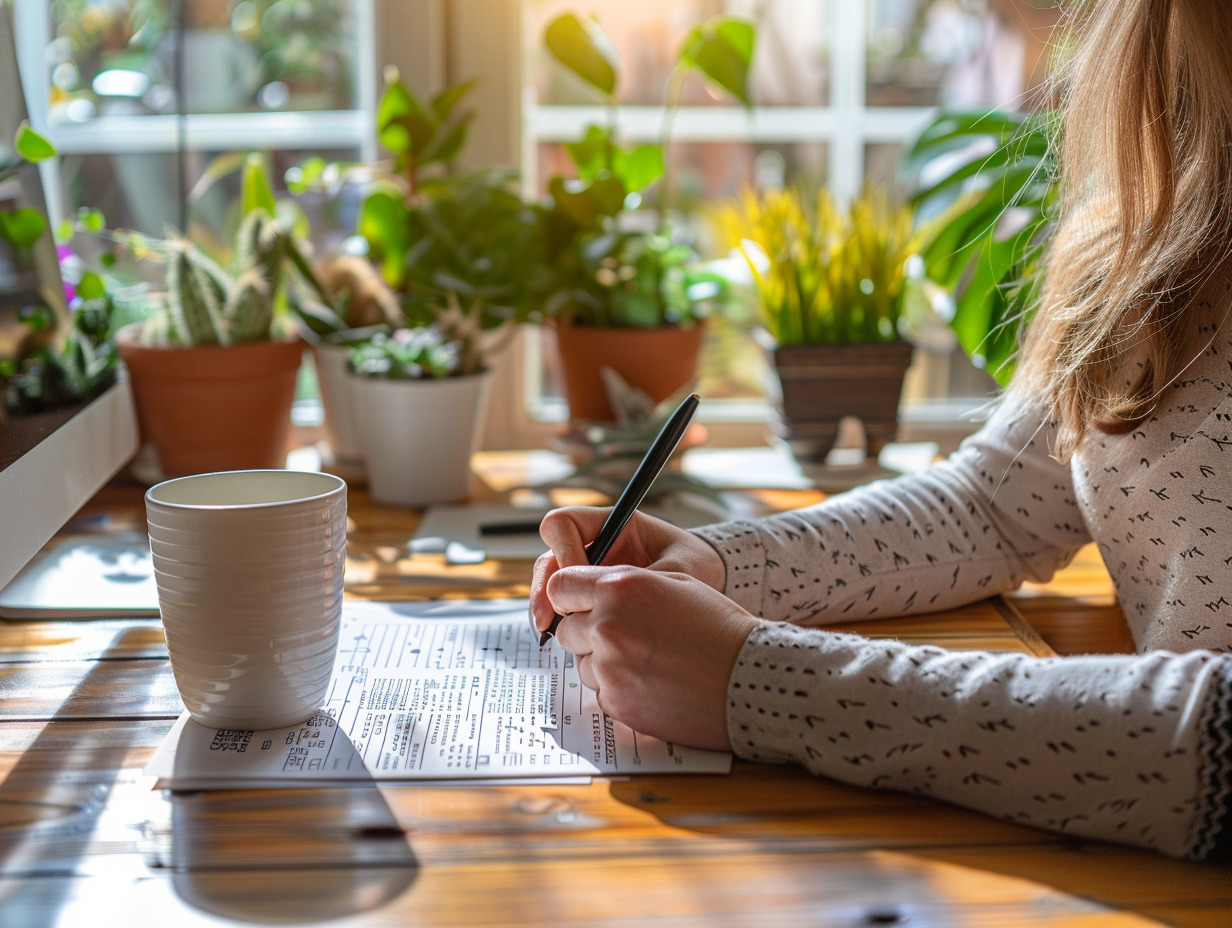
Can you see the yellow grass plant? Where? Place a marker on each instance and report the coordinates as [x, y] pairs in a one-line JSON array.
[[824, 274]]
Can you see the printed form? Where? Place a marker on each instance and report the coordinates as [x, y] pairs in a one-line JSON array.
[[455, 689]]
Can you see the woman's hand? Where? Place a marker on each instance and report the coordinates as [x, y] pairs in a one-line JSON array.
[[658, 648], [645, 542]]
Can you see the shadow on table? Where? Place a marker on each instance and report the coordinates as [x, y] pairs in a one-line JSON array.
[[289, 855], [806, 817], [72, 772]]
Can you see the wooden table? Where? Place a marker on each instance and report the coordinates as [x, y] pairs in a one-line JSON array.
[[86, 840]]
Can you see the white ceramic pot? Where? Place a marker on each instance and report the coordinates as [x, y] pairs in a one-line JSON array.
[[337, 398], [419, 435]]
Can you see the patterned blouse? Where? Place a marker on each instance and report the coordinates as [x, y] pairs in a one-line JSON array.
[[1128, 748]]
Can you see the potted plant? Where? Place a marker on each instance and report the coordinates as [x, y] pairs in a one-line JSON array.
[[450, 258], [362, 304], [421, 394], [833, 287], [48, 363], [622, 291], [214, 365]]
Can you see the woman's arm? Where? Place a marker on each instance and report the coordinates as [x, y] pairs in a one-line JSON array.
[[1132, 749], [1000, 511], [1135, 749]]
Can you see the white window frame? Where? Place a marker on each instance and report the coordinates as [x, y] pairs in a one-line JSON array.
[[846, 125], [436, 42]]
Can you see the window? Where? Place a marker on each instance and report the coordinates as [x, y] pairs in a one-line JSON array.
[[840, 86], [139, 96]]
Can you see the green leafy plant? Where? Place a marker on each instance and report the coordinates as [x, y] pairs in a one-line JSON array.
[[458, 253], [641, 279], [77, 370], [985, 222], [468, 238], [605, 269], [61, 364], [423, 136], [21, 227], [824, 275]]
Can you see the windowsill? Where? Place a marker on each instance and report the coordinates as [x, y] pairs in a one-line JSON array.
[[741, 423], [736, 424]]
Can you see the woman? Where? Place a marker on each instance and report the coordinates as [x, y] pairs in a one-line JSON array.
[[1117, 429]]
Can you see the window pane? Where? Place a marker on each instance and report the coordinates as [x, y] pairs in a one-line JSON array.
[[703, 173], [706, 173], [126, 57], [954, 52], [846, 60], [138, 191], [883, 166], [791, 67]]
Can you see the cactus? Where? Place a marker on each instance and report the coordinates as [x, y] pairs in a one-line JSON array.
[[262, 243], [197, 293], [206, 305], [250, 310]]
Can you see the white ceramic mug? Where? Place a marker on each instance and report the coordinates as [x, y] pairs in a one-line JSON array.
[[249, 569]]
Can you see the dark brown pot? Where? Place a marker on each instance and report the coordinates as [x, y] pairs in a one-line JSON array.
[[821, 384], [213, 407], [659, 362]]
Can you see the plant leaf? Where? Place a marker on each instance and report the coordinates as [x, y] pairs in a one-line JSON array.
[[586, 203], [961, 123], [404, 126], [447, 146], [383, 222], [255, 190], [91, 286], [593, 154], [975, 314], [31, 145], [21, 227], [638, 168], [91, 220], [722, 50], [219, 166], [307, 175], [444, 103], [583, 47]]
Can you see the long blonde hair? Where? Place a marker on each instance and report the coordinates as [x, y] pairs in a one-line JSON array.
[[1146, 209]]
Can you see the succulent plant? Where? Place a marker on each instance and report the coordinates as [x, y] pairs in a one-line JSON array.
[[209, 305]]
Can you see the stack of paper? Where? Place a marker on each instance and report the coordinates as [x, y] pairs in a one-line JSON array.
[[451, 690]]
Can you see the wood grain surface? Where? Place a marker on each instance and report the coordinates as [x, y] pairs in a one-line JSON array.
[[85, 839]]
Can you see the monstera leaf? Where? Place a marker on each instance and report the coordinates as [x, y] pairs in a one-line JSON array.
[[986, 222]]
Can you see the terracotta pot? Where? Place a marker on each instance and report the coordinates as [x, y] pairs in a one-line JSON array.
[[213, 407], [818, 385], [419, 436], [659, 362]]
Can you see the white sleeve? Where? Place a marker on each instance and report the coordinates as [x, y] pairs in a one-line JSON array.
[[998, 512], [1133, 749]]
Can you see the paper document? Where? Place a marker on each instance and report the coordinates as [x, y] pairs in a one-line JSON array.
[[434, 691]]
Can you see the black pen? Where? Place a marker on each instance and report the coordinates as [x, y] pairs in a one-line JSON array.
[[527, 527], [639, 485]]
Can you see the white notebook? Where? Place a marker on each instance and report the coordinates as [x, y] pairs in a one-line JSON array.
[[85, 576]]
